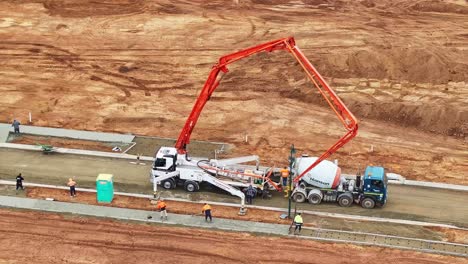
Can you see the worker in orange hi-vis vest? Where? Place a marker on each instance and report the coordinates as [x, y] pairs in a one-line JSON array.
[[207, 211], [284, 175], [161, 206], [71, 183]]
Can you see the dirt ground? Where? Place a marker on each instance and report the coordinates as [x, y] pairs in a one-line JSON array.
[[148, 146], [451, 235], [51, 238], [137, 66], [65, 143]]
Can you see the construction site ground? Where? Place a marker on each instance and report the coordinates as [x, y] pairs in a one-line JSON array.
[[64, 142], [254, 214], [424, 204], [147, 146], [137, 66], [54, 238], [141, 145]]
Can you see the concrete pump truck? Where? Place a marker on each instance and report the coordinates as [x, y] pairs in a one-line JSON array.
[[316, 179]]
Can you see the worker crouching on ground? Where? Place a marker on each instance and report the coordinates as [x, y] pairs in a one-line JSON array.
[[161, 206], [207, 211], [298, 222], [19, 182], [71, 183], [250, 194]]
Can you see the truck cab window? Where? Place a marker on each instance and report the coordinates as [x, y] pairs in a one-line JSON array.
[[160, 162], [377, 184]]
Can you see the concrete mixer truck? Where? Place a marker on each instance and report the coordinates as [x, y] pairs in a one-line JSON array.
[[326, 183]]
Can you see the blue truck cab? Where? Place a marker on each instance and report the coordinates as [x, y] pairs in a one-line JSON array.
[[374, 189]]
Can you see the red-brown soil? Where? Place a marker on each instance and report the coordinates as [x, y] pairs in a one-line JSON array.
[[453, 235], [62, 143], [35, 237], [137, 66]]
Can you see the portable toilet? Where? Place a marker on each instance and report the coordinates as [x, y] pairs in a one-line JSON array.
[[105, 188]]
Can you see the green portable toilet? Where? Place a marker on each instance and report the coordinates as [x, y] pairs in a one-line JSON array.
[[105, 188]]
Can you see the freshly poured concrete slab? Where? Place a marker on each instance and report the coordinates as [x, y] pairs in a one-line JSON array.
[[69, 133]]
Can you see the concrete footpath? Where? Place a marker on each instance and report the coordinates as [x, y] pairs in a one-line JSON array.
[[66, 133], [82, 152], [141, 215]]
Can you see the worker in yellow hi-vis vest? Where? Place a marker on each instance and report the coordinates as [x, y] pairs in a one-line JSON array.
[[298, 222]]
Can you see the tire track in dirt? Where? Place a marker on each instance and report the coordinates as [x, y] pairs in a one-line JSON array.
[[76, 63]]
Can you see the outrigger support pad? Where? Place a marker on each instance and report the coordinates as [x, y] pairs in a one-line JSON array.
[[242, 211]]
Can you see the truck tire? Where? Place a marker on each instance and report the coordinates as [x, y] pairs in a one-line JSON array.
[[315, 199], [191, 186], [299, 197], [315, 196], [168, 184], [368, 203], [345, 200]]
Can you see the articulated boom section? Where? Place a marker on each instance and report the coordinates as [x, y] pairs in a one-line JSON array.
[[223, 186], [289, 44], [212, 83], [346, 117]]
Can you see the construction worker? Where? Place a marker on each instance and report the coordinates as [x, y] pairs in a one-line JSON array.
[[71, 183], [250, 194], [161, 206], [207, 211], [284, 175], [298, 222], [16, 126], [266, 191], [19, 182]]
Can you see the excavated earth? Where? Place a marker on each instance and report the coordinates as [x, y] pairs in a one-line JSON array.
[[51, 238], [137, 66]]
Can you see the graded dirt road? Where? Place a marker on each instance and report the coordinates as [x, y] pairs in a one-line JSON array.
[[51, 238], [404, 202], [137, 66]]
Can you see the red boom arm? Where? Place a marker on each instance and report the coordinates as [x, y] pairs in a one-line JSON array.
[[345, 116]]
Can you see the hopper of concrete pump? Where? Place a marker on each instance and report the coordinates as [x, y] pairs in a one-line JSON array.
[[325, 175]]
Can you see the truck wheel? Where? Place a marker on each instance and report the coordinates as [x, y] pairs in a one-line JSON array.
[[315, 199], [345, 200], [191, 186], [299, 197], [168, 184], [368, 203]]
